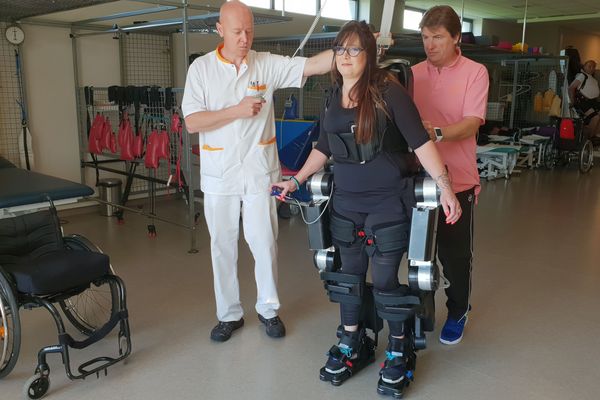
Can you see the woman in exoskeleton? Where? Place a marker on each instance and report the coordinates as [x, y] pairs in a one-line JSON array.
[[368, 126]]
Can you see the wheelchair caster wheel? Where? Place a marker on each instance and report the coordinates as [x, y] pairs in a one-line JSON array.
[[36, 387], [283, 211], [294, 210]]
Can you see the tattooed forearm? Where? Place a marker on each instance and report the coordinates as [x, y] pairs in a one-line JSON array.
[[443, 181]]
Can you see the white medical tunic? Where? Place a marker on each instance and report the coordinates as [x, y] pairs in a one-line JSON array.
[[240, 157]]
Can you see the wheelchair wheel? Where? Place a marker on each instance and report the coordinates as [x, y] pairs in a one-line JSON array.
[[36, 387], [550, 157], [92, 308], [586, 157], [10, 328]]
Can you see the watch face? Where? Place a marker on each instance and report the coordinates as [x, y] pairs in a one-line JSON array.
[[15, 34]]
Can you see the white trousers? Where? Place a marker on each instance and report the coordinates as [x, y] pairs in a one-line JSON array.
[[259, 216]]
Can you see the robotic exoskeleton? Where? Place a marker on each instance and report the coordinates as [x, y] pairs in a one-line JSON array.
[[412, 303], [408, 306]]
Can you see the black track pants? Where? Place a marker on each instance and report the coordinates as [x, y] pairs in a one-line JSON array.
[[455, 253]]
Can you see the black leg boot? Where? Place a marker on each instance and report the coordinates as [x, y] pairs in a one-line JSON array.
[[398, 368], [354, 351]]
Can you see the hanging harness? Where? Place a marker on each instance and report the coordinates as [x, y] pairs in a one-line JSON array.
[[579, 96]]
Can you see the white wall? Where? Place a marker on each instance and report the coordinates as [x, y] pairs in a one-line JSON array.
[[49, 75], [588, 45], [48, 71]]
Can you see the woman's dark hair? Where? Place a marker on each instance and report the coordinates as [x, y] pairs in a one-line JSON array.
[[367, 91], [575, 64], [442, 16]]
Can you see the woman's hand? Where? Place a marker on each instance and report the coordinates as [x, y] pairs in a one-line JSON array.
[[451, 206], [285, 187]]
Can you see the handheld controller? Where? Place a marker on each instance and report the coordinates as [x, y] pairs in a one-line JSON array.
[[276, 191]]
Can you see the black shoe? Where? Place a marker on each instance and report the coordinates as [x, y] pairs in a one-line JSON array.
[[222, 332], [275, 327]]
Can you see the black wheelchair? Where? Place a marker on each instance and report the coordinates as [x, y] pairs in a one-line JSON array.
[[562, 151], [39, 267]]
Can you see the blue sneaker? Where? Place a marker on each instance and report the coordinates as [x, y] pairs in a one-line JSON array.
[[452, 332]]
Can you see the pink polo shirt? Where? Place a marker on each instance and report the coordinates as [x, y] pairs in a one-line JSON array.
[[445, 97]]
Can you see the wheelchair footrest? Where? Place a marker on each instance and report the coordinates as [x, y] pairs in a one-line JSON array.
[[104, 363]]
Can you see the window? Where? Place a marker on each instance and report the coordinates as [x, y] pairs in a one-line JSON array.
[[412, 19], [467, 25], [298, 6], [338, 9], [258, 3]]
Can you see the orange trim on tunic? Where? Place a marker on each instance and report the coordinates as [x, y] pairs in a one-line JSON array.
[[209, 148]]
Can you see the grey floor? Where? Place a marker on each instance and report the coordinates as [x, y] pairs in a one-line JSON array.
[[534, 332]]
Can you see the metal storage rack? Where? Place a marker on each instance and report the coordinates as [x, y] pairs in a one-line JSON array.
[[129, 59]]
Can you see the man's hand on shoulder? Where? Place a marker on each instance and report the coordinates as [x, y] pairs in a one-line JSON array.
[[429, 128]]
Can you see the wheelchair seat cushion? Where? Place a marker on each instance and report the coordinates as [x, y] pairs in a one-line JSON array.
[[58, 271]]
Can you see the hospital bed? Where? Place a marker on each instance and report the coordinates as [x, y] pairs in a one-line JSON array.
[[536, 146], [532, 150], [497, 160]]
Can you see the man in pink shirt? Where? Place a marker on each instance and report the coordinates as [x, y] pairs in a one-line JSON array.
[[451, 92]]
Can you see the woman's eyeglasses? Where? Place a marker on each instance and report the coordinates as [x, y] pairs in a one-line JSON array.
[[352, 51]]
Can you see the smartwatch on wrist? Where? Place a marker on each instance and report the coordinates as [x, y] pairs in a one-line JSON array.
[[438, 134]]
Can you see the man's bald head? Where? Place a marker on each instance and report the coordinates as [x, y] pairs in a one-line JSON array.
[[236, 27], [235, 9]]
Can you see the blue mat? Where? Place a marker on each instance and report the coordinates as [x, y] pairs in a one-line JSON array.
[[294, 141]]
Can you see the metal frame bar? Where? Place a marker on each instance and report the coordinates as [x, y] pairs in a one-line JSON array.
[[164, 23], [127, 14], [77, 98], [187, 161], [184, 4]]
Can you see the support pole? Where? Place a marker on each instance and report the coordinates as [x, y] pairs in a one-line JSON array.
[[187, 148], [524, 29]]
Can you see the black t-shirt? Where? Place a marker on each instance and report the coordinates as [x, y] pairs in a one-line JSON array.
[[378, 185]]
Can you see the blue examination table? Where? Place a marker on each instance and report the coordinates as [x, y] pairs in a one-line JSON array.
[[23, 190]]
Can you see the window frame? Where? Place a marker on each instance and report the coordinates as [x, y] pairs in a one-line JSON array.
[[415, 9], [318, 4]]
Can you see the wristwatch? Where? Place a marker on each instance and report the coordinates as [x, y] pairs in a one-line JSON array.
[[438, 134]]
